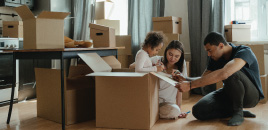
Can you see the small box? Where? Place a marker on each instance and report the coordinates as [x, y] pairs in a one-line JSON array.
[[102, 36], [258, 50], [13, 29], [44, 32], [168, 24], [264, 84], [237, 32], [79, 93], [170, 37], [126, 99], [125, 60], [115, 24], [103, 10], [124, 41]]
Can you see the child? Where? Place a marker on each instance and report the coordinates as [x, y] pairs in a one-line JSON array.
[[152, 44]]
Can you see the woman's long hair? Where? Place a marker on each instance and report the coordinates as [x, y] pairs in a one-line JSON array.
[[178, 46]]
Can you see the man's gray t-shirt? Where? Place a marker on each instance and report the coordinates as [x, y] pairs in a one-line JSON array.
[[250, 69]]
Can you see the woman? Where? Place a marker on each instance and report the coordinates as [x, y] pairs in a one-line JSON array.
[[173, 60]]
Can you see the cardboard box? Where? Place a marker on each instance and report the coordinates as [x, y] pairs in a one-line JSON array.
[[79, 95], [103, 10], [115, 24], [264, 84], [168, 24], [237, 32], [170, 37], [102, 36], [44, 32], [8, 10], [258, 50], [126, 99], [125, 60], [13, 29], [186, 95], [124, 41]]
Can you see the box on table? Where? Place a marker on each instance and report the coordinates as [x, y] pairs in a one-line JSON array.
[[237, 32], [13, 29], [79, 95], [102, 36], [126, 99], [115, 24], [170, 37], [103, 10], [44, 32], [168, 24], [258, 50], [264, 84]]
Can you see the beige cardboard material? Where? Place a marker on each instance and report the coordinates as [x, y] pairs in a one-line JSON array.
[[124, 41], [115, 24], [44, 32], [186, 95], [132, 98], [170, 37], [103, 10], [169, 24], [237, 32], [13, 29], [112, 62], [125, 60], [258, 50], [264, 84], [102, 36], [79, 96]]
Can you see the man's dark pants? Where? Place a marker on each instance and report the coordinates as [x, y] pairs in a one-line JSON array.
[[238, 93]]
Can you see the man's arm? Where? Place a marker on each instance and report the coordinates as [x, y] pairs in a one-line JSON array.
[[213, 77], [195, 78]]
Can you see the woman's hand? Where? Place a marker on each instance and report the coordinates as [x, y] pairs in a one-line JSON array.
[[183, 115]]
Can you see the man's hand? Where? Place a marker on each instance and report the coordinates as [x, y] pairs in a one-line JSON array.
[[183, 86], [178, 77]]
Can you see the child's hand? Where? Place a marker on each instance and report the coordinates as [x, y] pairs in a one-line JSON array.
[[160, 67], [183, 115]]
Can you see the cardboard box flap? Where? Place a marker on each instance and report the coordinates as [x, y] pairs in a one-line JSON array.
[[53, 15], [24, 12], [118, 74], [95, 62], [12, 23], [112, 61], [98, 27], [166, 18], [163, 77], [238, 26]]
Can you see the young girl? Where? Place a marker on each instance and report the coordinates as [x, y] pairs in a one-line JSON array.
[[152, 44], [173, 60]]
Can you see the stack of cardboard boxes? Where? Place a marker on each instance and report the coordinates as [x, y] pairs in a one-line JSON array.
[[172, 28], [103, 11]]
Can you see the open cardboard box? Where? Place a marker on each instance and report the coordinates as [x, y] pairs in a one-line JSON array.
[[124, 99]]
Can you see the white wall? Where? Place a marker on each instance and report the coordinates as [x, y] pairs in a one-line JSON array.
[[179, 8]]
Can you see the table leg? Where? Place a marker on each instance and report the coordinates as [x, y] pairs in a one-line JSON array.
[[62, 92], [12, 90]]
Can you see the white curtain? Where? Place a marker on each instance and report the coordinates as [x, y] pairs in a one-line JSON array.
[[82, 17]]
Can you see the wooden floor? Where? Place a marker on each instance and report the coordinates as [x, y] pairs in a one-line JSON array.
[[24, 118]]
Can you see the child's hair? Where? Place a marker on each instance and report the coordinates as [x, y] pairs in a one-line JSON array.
[[153, 39], [178, 46]]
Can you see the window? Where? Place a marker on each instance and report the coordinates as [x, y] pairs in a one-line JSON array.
[[253, 12]]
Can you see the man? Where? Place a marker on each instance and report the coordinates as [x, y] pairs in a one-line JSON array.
[[237, 67]]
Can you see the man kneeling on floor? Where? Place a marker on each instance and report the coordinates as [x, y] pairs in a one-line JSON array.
[[237, 67]]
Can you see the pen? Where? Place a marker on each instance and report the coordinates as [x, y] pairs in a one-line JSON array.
[[188, 112]]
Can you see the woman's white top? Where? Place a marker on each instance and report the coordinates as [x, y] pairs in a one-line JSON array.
[[167, 92], [143, 62]]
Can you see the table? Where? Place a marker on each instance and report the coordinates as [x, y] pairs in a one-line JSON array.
[[61, 54]]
